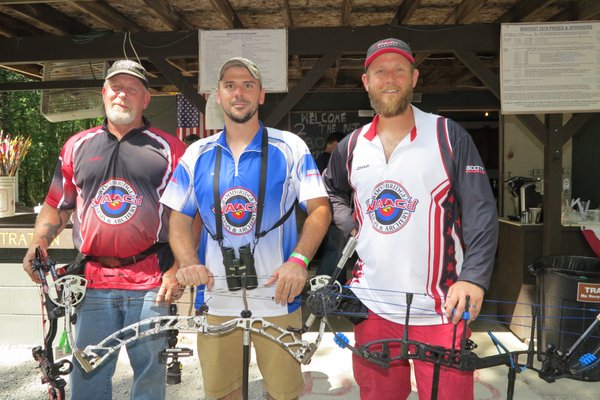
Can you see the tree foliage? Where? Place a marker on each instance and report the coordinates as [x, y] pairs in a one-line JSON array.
[[20, 115]]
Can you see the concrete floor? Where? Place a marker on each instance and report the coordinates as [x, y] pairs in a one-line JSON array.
[[329, 375]]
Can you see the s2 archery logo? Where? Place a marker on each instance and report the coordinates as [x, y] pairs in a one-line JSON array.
[[238, 206], [390, 207], [116, 202]]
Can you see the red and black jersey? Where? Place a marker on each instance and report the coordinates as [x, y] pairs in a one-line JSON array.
[[115, 186]]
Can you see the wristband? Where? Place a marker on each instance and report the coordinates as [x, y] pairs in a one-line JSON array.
[[299, 259]]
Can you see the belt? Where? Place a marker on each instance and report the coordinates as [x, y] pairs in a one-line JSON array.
[[114, 262]]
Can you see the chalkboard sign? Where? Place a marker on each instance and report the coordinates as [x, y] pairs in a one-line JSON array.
[[315, 126]]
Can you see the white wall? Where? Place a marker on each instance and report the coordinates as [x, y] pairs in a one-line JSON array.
[[20, 308]]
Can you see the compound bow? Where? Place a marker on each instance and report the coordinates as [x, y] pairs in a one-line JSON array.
[[69, 290], [556, 363], [324, 300]]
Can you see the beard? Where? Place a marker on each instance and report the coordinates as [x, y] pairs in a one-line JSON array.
[[241, 118], [118, 116], [392, 107]]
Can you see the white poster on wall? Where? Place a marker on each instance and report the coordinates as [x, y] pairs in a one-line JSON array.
[[267, 48], [550, 67]]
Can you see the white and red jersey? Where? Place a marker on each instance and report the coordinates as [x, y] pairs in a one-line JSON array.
[[425, 218], [115, 186]]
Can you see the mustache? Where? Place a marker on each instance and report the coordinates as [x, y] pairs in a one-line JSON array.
[[123, 104]]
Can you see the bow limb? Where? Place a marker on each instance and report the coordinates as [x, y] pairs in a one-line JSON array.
[[94, 355]]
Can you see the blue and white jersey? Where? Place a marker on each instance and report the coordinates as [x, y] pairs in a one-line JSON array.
[[291, 175]]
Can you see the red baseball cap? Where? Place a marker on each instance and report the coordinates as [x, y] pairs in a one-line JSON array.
[[390, 45]]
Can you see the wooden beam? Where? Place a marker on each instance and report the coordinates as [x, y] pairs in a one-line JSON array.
[[179, 81], [335, 72], [5, 2], [524, 10], [107, 15], [534, 125], [553, 155], [33, 71], [579, 11], [405, 11], [464, 12], [574, 125], [182, 67], [11, 27], [306, 83], [47, 19], [77, 84], [481, 71], [346, 12], [301, 41], [432, 39], [227, 14], [168, 15], [287, 13]]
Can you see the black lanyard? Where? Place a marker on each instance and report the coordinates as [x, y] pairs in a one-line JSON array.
[[264, 159], [262, 184]]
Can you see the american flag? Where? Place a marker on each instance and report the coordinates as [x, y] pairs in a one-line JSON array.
[[190, 121]]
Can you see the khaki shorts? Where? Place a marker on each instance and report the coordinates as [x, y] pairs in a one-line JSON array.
[[221, 359]]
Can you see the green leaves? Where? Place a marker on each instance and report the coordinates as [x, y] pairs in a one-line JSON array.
[[20, 115]]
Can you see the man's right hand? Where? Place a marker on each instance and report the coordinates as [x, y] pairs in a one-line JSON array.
[[194, 275], [28, 264]]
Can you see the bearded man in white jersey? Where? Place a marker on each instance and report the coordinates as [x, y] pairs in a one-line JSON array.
[[412, 188]]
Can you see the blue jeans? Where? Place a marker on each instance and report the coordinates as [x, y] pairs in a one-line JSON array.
[[103, 312]]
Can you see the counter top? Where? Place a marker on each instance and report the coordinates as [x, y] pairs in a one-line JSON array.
[[19, 221], [569, 227]]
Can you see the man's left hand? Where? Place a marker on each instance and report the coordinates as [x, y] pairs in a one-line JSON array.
[[170, 290], [456, 301], [290, 278]]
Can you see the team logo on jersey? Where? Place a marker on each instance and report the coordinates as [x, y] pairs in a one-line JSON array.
[[390, 207], [116, 202], [238, 206]]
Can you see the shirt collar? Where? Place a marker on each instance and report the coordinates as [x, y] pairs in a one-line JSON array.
[[372, 132], [146, 125], [254, 145]]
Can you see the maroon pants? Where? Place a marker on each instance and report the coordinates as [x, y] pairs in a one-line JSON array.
[[394, 383]]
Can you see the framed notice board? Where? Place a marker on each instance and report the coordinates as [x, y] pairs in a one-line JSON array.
[[315, 126]]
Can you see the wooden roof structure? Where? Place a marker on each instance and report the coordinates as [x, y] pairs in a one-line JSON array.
[[455, 41]]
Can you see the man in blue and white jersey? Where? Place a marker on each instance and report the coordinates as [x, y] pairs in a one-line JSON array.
[[244, 183]]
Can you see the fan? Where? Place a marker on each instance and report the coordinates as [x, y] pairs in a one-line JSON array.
[[70, 104]]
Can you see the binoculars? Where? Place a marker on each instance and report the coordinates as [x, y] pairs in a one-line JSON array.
[[239, 271]]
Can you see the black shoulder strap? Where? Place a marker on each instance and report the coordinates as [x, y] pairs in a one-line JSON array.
[[262, 187], [283, 218], [218, 236], [262, 182]]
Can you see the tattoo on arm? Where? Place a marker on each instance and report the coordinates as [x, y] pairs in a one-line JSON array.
[[52, 230]]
